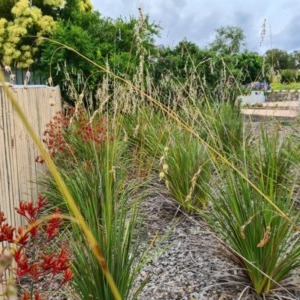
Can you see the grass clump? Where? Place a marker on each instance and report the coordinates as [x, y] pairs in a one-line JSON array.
[[95, 170], [261, 240], [186, 171], [225, 129]]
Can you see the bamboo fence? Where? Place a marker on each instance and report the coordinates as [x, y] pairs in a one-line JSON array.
[[18, 170]]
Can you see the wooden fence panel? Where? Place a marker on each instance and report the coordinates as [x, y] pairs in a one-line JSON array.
[[18, 169]]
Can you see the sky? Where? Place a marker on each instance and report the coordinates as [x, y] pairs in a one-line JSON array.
[[197, 20]]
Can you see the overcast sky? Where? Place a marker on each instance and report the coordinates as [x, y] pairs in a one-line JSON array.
[[197, 20]]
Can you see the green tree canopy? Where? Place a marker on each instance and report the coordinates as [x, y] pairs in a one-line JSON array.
[[188, 66], [280, 60], [120, 45], [250, 65], [228, 40]]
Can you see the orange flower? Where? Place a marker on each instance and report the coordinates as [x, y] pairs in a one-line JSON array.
[[68, 275]]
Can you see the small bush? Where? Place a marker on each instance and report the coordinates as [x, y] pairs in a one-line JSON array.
[[289, 76]]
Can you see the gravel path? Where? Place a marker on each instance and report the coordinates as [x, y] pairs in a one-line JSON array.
[[195, 264]]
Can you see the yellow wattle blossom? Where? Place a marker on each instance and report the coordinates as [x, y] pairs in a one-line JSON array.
[[15, 31], [85, 5], [56, 3], [28, 22], [7, 60], [3, 24], [25, 47], [20, 7], [46, 25], [27, 54], [16, 54], [8, 50], [27, 19]]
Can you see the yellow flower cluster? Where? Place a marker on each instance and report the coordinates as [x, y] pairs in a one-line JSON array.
[[26, 20], [20, 7], [55, 3], [25, 47], [46, 25], [3, 24], [85, 5]]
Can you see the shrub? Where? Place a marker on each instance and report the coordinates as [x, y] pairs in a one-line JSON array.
[[289, 76], [41, 265]]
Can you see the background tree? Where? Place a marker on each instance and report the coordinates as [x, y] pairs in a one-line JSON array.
[[284, 65], [23, 22], [279, 59], [228, 40], [108, 42], [197, 72], [250, 65], [296, 56]]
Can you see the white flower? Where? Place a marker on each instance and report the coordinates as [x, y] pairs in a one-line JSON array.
[[162, 175], [165, 168], [7, 69]]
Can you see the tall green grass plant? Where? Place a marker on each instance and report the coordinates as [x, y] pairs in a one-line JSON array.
[[263, 242], [186, 171], [97, 178]]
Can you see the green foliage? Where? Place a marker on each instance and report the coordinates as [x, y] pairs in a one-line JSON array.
[[228, 40], [289, 76], [262, 241], [182, 163], [113, 43], [280, 59], [280, 86], [5, 9], [193, 73], [226, 132], [271, 163], [96, 175], [251, 65], [185, 170], [103, 196]]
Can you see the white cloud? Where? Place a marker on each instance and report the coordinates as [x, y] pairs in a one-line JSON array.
[[197, 20]]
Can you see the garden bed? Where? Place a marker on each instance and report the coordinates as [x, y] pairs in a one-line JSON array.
[[195, 264]]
